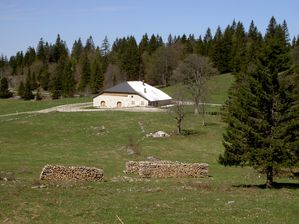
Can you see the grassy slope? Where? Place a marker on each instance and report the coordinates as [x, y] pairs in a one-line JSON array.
[[217, 88], [8, 106], [28, 142]]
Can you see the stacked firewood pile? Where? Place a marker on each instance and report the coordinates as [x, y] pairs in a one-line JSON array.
[[165, 169], [57, 173]]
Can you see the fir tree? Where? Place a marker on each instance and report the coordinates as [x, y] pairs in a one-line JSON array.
[[85, 73], [207, 43], [41, 51], [261, 113], [68, 81], [21, 89], [77, 50], [238, 60], [105, 47], [4, 92], [57, 79], [143, 45], [97, 77], [28, 95]]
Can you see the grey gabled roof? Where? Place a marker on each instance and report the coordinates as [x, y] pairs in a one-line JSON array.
[[121, 88]]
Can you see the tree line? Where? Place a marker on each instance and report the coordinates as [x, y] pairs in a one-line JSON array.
[[87, 68]]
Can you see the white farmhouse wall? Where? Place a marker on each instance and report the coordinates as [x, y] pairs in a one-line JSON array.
[[111, 100]]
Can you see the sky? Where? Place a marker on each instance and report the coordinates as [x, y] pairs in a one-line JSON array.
[[24, 22]]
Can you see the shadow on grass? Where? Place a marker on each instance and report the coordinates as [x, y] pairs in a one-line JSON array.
[[190, 132], [212, 124], [275, 185]]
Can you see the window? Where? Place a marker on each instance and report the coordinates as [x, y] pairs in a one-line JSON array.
[[132, 96], [133, 102], [142, 103]]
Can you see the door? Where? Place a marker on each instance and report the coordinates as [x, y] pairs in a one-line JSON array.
[[118, 105]]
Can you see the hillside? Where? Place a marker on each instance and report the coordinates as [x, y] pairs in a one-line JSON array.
[[217, 88]]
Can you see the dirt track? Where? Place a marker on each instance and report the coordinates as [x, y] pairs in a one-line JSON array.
[[84, 107]]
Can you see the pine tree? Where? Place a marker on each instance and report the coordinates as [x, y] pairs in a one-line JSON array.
[[261, 112]]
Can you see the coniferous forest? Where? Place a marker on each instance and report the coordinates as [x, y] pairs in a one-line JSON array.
[[85, 68]]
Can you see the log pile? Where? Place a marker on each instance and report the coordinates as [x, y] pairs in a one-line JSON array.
[[58, 173], [166, 169]]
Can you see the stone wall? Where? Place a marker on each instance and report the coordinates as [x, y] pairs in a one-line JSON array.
[[57, 173], [166, 169]]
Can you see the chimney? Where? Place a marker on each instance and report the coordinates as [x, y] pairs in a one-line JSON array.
[[143, 82]]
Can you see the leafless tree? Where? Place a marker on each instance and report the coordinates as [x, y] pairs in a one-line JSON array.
[[177, 111], [113, 76], [193, 72]]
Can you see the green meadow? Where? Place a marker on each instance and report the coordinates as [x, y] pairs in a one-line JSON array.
[[100, 139]]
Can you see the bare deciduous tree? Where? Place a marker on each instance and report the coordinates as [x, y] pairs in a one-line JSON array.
[[177, 111], [113, 76], [193, 72]]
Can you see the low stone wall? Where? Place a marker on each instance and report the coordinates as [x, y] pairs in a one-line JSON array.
[[57, 173], [166, 169]]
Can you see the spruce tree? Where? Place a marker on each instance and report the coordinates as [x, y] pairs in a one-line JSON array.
[[207, 43], [28, 95], [57, 79], [85, 73], [105, 47], [261, 112], [21, 89], [4, 92], [97, 77], [68, 81], [77, 50]]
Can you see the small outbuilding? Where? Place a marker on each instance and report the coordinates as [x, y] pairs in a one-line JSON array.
[[131, 94]]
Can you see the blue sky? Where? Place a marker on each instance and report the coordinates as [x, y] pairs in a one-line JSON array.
[[24, 22]]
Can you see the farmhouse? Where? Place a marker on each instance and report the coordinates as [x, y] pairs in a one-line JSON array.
[[131, 94]]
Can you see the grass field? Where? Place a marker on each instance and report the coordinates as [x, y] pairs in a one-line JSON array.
[[228, 195], [8, 106]]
